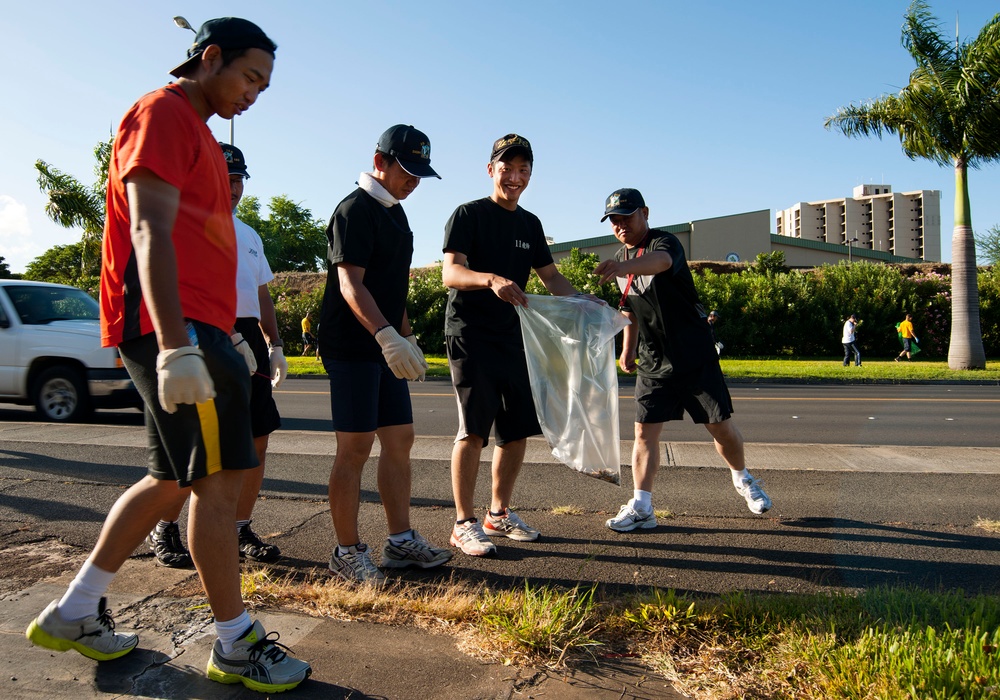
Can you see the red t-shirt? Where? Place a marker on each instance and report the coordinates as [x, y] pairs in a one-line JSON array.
[[163, 133]]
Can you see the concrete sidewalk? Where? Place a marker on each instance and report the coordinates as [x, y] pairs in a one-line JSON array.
[[782, 456]]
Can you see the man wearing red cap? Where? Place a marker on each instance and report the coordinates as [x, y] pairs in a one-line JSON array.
[[168, 302]]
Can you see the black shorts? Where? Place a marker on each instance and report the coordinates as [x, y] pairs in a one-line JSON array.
[[366, 396], [701, 392], [906, 344], [491, 384], [195, 441], [264, 416]]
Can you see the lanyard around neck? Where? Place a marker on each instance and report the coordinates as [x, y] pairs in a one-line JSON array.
[[628, 282]]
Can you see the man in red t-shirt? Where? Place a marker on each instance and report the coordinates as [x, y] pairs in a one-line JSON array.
[[168, 302]]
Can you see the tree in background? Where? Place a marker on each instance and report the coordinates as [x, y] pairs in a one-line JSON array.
[[294, 241], [578, 268], [988, 245], [60, 264], [949, 113], [72, 204], [5, 272]]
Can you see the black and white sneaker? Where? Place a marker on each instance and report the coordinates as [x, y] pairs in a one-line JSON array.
[[167, 547], [252, 547]]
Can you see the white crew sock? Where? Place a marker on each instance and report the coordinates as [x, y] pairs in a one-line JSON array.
[[642, 501], [401, 537], [231, 631], [85, 592], [739, 476]]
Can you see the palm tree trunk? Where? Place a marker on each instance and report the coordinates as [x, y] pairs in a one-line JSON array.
[[965, 351]]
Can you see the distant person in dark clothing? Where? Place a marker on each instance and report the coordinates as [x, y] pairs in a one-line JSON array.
[[713, 317]]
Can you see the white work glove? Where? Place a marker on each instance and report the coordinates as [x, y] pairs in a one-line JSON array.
[[420, 354], [399, 354], [182, 377], [244, 349], [279, 365]]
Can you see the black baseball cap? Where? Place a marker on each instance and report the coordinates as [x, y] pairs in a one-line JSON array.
[[226, 33], [623, 202], [235, 161], [410, 147], [508, 142]]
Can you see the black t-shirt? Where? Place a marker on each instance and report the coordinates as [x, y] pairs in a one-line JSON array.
[[674, 335], [499, 241], [362, 232]]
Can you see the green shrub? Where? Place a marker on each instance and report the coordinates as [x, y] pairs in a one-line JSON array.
[[290, 308], [425, 307]]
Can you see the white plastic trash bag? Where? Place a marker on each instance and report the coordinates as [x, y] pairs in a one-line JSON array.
[[570, 350]]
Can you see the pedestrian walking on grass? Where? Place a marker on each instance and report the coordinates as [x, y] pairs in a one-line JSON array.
[[907, 337], [850, 340], [678, 367]]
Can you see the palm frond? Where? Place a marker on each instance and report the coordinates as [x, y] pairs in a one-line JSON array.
[[70, 203]]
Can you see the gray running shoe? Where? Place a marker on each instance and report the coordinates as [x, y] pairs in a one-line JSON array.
[[415, 552], [757, 501], [510, 526], [258, 662], [94, 636], [629, 519], [356, 566]]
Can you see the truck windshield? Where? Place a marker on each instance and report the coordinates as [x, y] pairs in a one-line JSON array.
[[38, 305]]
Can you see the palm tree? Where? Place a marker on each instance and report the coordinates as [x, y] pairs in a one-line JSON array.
[[72, 204], [949, 113]]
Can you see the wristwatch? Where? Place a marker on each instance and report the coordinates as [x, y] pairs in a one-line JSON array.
[[276, 344]]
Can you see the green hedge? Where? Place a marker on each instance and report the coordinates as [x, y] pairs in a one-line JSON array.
[[764, 309]]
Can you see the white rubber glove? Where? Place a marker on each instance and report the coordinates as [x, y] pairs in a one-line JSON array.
[[182, 377], [420, 355], [279, 365], [244, 349], [398, 354]]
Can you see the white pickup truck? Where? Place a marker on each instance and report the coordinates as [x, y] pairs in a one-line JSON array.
[[51, 354]]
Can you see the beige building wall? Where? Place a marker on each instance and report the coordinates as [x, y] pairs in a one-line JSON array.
[[822, 238], [905, 224]]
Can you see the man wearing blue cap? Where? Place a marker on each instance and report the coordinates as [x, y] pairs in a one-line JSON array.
[[678, 366], [369, 352], [168, 302]]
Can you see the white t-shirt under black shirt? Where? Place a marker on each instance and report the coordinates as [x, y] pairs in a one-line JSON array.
[[252, 270]]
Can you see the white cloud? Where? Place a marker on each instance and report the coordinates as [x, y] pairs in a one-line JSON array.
[[16, 245]]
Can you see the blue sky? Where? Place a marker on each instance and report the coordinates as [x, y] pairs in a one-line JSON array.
[[709, 108]]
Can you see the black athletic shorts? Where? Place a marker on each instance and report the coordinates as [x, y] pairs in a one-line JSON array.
[[701, 392], [195, 441], [264, 416], [366, 396], [491, 384]]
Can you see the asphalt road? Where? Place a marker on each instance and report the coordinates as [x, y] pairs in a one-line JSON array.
[[936, 415]]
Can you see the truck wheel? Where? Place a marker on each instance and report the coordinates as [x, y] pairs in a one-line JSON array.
[[60, 395]]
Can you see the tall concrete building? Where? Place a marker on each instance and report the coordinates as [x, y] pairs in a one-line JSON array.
[[904, 224]]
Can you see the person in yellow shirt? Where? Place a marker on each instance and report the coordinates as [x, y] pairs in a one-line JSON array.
[[905, 329], [308, 339]]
